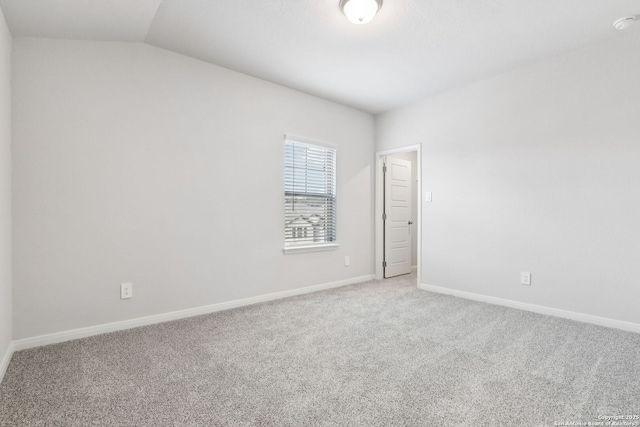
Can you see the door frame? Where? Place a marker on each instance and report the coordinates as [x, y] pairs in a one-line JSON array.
[[379, 208]]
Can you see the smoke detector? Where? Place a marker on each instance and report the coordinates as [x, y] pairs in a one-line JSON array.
[[624, 23]]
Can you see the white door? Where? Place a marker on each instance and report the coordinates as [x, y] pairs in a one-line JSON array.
[[397, 217]]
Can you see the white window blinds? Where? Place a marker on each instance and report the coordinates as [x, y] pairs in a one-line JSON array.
[[309, 194]]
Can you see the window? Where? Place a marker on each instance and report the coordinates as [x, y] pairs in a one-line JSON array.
[[309, 196]]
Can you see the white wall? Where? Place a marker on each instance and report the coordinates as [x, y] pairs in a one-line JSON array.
[[536, 170], [5, 191], [132, 163], [411, 156]]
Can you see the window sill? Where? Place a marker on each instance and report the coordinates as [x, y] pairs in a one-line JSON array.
[[310, 248]]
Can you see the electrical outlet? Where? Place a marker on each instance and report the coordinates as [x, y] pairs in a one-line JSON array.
[[126, 290], [525, 278], [428, 196], [346, 261]]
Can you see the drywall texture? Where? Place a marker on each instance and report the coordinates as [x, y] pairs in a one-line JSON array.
[[411, 156], [5, 189], [135, 164], [535, 170]]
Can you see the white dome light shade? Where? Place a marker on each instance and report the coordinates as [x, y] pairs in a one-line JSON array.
[[360, 11]]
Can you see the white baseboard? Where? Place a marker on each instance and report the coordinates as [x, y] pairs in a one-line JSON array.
[[57, 337], [580, 317], [4, 363]]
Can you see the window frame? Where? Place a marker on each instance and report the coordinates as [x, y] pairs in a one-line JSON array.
[[305, 246]]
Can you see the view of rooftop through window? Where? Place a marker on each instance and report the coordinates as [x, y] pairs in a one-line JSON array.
[[310, 193]]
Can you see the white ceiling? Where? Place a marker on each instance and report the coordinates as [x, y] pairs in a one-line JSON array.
[[411, 50]]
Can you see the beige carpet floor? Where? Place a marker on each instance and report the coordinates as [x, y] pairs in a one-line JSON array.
[[371, 354]]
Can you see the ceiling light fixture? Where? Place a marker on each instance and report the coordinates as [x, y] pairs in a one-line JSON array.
[[360, 11], [623, 23]]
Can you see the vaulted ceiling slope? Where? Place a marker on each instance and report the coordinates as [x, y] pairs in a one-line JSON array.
[[413, 48]]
